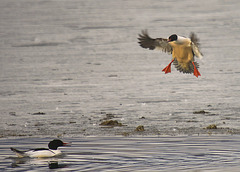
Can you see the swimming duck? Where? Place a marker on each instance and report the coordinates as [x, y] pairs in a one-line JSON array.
[[42, 152]]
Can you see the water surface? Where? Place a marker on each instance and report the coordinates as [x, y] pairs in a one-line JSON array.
[[209, 153]]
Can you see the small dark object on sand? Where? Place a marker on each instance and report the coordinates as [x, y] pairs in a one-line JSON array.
[[212, 126], [125, 134], [39, 113], [12, 113], [200, 112], [109, 116], [140, 128], [111, 123]]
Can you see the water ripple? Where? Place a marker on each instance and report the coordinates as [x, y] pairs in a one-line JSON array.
[[130, 154]]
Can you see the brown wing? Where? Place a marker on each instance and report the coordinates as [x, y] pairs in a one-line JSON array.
[[146, 41]]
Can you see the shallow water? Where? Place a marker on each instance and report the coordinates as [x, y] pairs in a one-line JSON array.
[[210, 153]]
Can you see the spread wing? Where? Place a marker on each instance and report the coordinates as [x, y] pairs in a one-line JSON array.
[[195, 45], [146, 41]]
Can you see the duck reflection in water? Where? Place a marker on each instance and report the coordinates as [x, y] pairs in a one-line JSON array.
[[52, 163]]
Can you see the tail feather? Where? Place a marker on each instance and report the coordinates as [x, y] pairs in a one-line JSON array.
[[185, 69], [18, 152]]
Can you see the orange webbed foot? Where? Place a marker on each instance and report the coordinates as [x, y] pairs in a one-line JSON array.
[[196, 72], [167, 69]]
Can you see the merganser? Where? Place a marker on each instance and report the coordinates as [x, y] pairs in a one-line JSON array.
[[42, 152], [182, 49]]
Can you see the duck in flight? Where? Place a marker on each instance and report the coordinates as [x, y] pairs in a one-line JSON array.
[[182, 49], [42, 152]]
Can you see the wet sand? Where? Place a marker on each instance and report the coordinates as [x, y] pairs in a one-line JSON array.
[[67, 66]]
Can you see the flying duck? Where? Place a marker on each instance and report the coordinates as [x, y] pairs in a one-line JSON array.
[[42, 152], [182, 49]]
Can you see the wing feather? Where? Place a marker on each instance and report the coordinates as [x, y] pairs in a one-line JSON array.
[[195, 45], [146, 41]]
